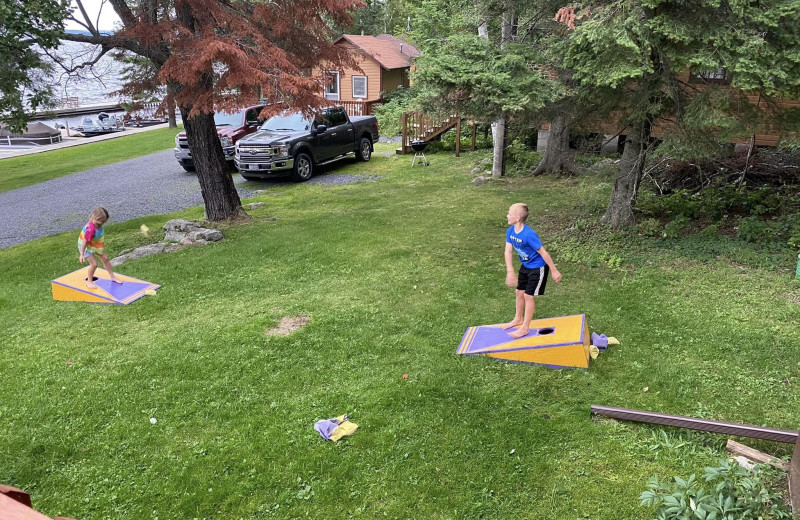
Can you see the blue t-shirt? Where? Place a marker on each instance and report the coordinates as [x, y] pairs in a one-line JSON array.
[[526, 243]]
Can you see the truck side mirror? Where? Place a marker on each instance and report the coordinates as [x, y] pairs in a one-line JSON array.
[[252, 122], [321, 129]]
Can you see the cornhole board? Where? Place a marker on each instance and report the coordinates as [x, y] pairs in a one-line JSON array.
[[72, 288], [561, 342]]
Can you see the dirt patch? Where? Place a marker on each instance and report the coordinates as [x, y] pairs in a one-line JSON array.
[[288, 325]]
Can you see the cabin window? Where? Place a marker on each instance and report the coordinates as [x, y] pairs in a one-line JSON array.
[[360, 87], [332, 85]]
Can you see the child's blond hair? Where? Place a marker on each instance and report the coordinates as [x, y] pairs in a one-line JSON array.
[[520, 209], [100, 214]]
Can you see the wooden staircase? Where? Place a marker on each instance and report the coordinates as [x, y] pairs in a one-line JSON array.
[[419, 127]]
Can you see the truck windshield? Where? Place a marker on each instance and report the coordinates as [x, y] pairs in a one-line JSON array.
[[287, 123], [225, 119]]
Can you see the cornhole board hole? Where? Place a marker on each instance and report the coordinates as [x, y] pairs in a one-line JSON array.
[[72, 288], [561, 342]]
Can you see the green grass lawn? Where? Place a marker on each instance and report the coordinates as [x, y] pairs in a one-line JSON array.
[[17, 172], [709, 327]]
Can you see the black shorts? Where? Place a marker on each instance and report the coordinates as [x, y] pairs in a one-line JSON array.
[[532, 281]]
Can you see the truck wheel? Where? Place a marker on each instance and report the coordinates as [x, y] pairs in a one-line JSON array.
[[188, 168], [303, 167], [364, 150]]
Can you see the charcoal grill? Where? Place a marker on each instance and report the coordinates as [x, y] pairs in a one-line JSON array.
[[419, 157]]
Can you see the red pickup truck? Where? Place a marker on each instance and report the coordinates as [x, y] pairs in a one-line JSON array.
[[230, 127]]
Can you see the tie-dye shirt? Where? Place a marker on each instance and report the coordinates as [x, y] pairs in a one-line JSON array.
[[93, 237]]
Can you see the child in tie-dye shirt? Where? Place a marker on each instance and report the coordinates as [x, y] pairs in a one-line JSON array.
[[90, 246]]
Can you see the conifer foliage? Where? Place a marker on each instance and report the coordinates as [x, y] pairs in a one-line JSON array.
[[218, 55], [635, 55]]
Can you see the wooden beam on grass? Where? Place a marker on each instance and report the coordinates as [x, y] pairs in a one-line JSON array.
[[755, 455], [703, 425]]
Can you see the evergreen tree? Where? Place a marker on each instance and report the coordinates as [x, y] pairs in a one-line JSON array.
[[474, 62], [634, 54]]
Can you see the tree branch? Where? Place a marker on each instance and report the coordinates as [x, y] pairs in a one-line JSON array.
[[74, 68], [124, 12], [86, 18]]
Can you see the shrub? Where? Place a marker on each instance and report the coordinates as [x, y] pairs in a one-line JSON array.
[[520, 157], [794, 232], [710, 231], [390, 114], [650, 227], [676, 227], [753, 229], [730, 492]]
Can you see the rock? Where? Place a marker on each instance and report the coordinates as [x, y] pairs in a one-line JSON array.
[[254, 205], [476, 170], [486, 161], [186, 241], [180, 233], [174, 236], [180, 224], [271, 219], [179, 229], [206, 235], [477, 181], [140, 252], [172, 248]]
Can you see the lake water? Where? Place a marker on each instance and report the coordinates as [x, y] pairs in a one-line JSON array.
[[88, 86]]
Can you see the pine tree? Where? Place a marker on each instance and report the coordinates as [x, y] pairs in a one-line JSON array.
[[474, 63], [633, 54]]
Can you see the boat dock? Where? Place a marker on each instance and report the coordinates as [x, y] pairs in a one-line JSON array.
[[71, 111]]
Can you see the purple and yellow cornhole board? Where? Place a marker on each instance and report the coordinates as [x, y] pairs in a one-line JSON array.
[[72, 288], [561, 342]]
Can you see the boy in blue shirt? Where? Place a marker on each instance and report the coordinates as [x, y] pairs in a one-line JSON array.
[[536, 265]]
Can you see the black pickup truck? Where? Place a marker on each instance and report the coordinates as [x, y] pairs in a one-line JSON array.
[[293, 143]]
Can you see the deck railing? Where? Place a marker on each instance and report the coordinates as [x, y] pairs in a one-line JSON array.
[[360, 108]]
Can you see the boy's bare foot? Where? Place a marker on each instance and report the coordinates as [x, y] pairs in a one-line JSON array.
[[116, 280], [512, 324], [519, 333], [91, 285]]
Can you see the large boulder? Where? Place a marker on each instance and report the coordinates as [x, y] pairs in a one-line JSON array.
[[179, 234], [140, 252], [189, 232]]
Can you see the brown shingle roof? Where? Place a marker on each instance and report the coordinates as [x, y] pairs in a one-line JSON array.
[[386, 51], [402, 45]]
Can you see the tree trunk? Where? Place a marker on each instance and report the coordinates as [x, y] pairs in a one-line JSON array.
[[623, 197], [500, 127], [216, 184], [557, 155], [483, 30], [498, 152], [173, 122]]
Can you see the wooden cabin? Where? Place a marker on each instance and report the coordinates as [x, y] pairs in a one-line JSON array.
[[385, 63], [766, 134]]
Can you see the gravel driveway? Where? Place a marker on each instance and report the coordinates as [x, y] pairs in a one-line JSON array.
[[148, 185]]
